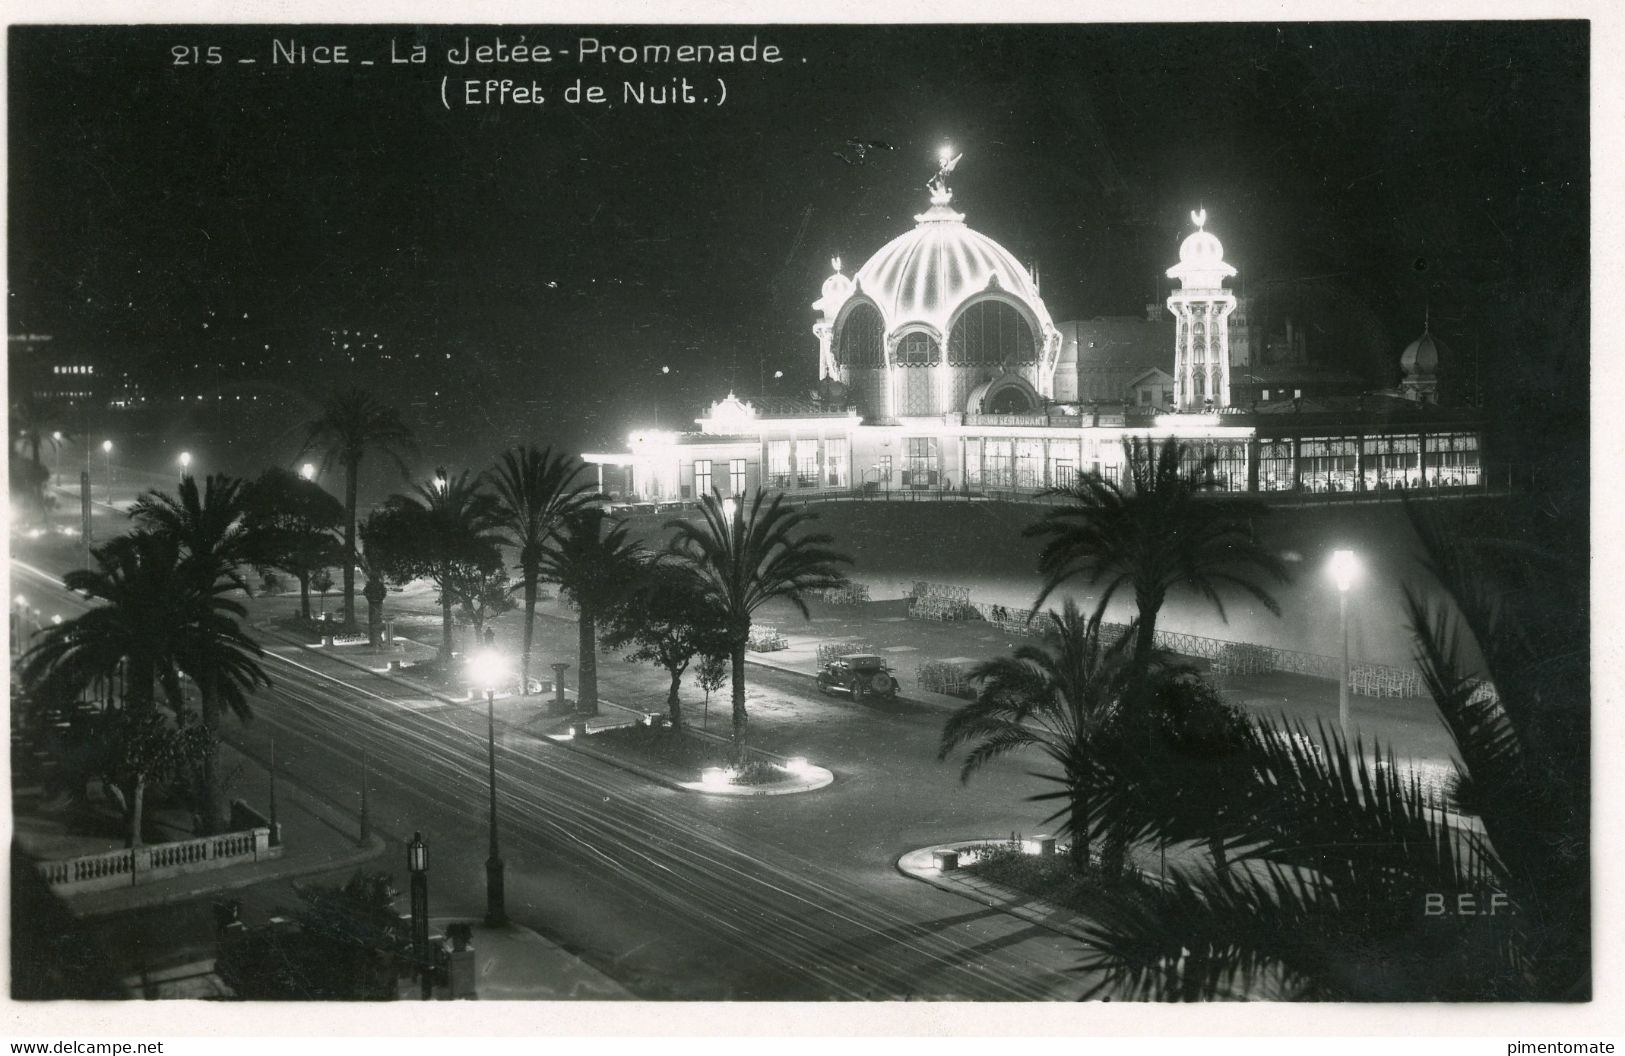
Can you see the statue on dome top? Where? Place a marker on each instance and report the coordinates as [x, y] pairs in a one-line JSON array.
[[946, 160]]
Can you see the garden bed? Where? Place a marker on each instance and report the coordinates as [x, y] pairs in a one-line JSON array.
[[1048, 877], [681, 755]]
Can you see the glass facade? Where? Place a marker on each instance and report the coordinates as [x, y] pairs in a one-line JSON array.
[[835, 462], [1391, 462], [861, 339], [1451, 460], [922, 462], [1030, 464], [806, 463], [778, 463], [1328, 463], [1275, 466]]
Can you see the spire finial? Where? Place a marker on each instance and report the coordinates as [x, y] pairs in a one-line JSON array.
[[835, 262], [1199, 217], [1427, 312]]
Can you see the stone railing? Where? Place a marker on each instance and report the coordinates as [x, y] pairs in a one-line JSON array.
[[129, 867]]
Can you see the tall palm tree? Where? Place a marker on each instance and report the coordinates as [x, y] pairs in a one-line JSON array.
[[351, 424], [593, 564], [1351, 877], [156, 625], [209, 525], [1056, 698], [1158, 532], [535, 491], [747, 553], [439, 531]]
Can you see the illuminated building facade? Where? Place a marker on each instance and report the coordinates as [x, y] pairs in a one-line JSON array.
[[943, 370]]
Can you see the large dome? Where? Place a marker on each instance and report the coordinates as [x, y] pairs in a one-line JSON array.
[[923, 275]]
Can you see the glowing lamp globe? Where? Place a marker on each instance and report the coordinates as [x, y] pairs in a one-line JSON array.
[[308, 471], [186, 459], [729, 509], [487, 667], [1344, 567], [107, 445]]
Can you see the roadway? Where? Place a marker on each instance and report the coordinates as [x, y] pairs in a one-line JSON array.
[[675, 895]]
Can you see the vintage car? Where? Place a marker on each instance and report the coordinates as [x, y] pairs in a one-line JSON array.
[[860, 674]]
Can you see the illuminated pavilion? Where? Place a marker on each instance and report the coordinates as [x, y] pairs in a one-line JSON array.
[[939, 363]]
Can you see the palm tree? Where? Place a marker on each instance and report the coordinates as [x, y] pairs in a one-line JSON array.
[[1349, 877], [210, 527], [746, 554], [1057, 698], [593, 567], [295, 524], [442, 531], [1159, 532], [535, 491], [156, 625], [351, 424]]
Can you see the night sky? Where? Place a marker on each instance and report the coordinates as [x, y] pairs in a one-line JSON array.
[[565, 254]]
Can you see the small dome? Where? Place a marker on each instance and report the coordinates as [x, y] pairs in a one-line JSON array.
[[1201, 258], [837, 286], [1421, 357], [833, 391]]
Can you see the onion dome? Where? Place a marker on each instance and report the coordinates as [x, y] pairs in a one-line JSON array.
[[1201, 258], [833, 392], [1421, 357]]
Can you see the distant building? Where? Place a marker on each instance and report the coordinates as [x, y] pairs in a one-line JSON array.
[[942, 369]]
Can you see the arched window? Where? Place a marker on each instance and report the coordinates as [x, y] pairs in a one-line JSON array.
[[861, 338], [990, 332], [1010, 400], [917, 350]]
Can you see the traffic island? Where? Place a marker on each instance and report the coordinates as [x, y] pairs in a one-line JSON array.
[[693, 761], [953, 867]]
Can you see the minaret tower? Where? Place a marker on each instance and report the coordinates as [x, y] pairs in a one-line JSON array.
[[837, 288], [1203, 306]]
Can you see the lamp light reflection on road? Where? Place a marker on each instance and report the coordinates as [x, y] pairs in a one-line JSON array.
[[1344, 568]]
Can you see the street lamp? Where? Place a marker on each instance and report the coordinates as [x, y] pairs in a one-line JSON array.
[[186, 464], [417, 863], [56, 448], [488, 668], [107, 449], [308, 471], [440, 479], [729, 508], [1344, 567]]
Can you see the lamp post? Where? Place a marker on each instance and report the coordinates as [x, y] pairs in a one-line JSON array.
[[417, 863], [1344, 566], [186, 464], [56, 449], [488, 667], [17, 624], [107, 449]]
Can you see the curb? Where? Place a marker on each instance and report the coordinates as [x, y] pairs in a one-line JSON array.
[[1011, 906]]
